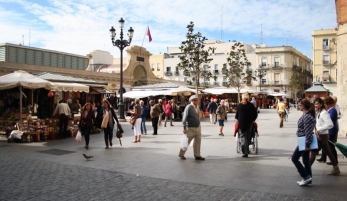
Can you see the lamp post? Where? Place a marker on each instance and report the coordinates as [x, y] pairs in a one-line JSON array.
[[260, 74], [121, 44]]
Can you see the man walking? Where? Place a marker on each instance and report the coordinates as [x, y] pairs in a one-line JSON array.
[[192, 128], [212, 107], [281, 111], [64, 112], [155, 113]]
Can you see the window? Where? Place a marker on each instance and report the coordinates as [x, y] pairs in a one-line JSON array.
[[158, 66], [277, 61], [216, 67], [326, 59], [263, 61], [168, 69], [326, 76], [325, 44], [277, 78], [263, 81]]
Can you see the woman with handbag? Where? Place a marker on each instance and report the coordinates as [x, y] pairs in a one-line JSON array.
[[306, 125], [324, 123], [136, 113], [108, 122], [86, 122]]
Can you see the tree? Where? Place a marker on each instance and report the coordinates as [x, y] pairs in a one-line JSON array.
[[295, 83], [234, 69], [196, 57]]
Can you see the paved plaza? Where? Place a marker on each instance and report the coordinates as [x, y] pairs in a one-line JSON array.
[[152, 170]]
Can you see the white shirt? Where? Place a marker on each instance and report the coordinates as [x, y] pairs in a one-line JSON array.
[[323, 122]]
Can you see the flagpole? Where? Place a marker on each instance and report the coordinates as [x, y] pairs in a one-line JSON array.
[[144, 36]]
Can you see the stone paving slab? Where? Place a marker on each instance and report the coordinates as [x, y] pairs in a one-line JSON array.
[[225, 175]]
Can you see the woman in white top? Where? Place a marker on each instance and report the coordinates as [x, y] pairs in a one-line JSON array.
[[323, 124]]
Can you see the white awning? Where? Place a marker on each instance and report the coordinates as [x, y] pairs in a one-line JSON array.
[[142, 94], [72, 87]]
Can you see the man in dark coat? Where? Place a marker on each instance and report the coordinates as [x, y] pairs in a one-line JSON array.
[[212, 108], [246, 114]]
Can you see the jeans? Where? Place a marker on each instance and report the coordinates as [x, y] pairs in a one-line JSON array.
[[143, 125], [303, 171], [155, 125], [86, 132]]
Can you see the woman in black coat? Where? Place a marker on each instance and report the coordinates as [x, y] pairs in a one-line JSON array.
[[246, 114]]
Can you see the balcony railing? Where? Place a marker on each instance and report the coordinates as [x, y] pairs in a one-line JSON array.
[[225, 83], [206, 83], [168, 73], [277, 65], [216, 72], [177, 73], [326, 47], [224, 72], [206, 71], [186, 73], [326, 63], [297, 68], [216, 83], [326, 78]]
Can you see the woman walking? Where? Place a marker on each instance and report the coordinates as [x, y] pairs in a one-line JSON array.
[[323, 125], [281, 111], [108, 129], [286, 109], [306, 125], [221, 114], [137, 112], [168, 113], [86, 122]]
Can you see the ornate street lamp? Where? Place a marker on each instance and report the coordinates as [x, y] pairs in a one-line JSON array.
[[121, 44], [260, 74]]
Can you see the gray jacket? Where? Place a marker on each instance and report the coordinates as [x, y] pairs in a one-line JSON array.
[[190, 117]]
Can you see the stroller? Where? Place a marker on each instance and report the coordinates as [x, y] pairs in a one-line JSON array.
[[253, 141]]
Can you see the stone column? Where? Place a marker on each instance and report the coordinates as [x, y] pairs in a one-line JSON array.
[[341, 10]]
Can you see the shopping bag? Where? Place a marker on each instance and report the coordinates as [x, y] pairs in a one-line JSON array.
[[79, 137], [184, 142], [104, 121]]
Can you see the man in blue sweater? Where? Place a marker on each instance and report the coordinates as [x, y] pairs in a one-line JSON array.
[[143, 117], [192, 128]]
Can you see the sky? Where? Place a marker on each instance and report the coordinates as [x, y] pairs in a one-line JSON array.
[[81, 26]]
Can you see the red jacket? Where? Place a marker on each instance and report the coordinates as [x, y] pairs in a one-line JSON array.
[[236, 128]]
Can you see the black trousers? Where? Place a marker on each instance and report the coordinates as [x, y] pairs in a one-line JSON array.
[[63, 120], [108, 135], [246, 139], [331, 147], [155, 125], [86, 132]]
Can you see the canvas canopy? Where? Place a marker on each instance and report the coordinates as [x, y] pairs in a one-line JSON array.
[[22, 79], [142, 94], [72, 87]]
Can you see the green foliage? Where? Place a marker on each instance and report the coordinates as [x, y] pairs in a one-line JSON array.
[[196, 57], [296, 82]]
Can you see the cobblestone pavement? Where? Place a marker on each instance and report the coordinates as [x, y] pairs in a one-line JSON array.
[[35, 179], [151, 170]]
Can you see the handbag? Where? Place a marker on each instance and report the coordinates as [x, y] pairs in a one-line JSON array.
[[133, 120], [104, 121]]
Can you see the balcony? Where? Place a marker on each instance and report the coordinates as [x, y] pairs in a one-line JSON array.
[[216, 83], [277, 65], [325, 47], [249, 83], [326, 78], [206, 71], [206, 83], [186, 73], [326, 63], [278, 82], [168, 73], [297, 68], [177, 73], [264, 65], [224, 72], [216, 72], [225, 84]]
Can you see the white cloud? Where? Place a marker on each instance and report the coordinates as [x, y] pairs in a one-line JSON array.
[[81, 26]]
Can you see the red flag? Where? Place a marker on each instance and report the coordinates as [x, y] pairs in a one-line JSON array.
[[148, 33]]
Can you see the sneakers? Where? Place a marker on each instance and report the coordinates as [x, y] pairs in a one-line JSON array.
[[305, 182], [308, 183], [335, 171]]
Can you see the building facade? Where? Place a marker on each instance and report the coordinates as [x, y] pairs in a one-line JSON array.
[[157, 64], [324, 58], [220, 55], [280, 63]]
